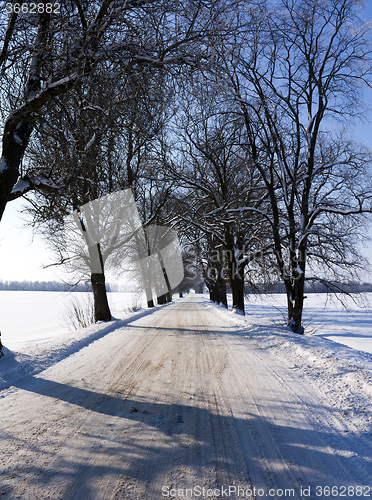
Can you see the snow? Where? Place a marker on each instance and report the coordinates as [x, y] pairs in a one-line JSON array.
[[36, 331], [182, 395], [62, 81], [91, 142], [20, 186], [3, 164], [44, 181], [323, 317], [28, 318], [336, 349], [298, 270], [334, 356]]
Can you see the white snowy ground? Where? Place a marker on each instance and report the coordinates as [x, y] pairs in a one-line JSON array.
[[324, 316], [27, 318], [335, 354], [327, 356], [302, 397], [37, 332]]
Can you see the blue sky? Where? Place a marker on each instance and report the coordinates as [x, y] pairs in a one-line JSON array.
[[23, 256]]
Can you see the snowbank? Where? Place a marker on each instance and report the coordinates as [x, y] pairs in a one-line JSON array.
[[342, 375], [34, 358]]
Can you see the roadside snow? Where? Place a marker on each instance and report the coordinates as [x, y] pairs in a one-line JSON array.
[[28, 318], [190, 394], [324, 316], [37, 357], [341, 374], [37, 351]]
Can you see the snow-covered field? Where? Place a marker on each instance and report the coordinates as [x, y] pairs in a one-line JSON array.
[[324, 317], [27, 318]]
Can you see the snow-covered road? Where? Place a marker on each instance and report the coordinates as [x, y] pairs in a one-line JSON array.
[[174, 402]]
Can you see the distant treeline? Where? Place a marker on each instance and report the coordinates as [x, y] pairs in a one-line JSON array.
[[351, 287], [43, 286], [57, 286]]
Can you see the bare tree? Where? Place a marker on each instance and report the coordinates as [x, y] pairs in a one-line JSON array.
[[46, 53], [297, 73], [221, 178], [50, 59], [99, 140]]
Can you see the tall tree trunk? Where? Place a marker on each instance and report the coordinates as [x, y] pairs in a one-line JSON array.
[[212, 292], [295, 317], [8, 178], [295, 299], [289, 294], [236, 274], [217, 289], [162, 299], [298, 305], [145, 273], [20, 124], [166, 297], [237, 288], [101, 307], [221, 291], [295, 303], [13, 150]]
